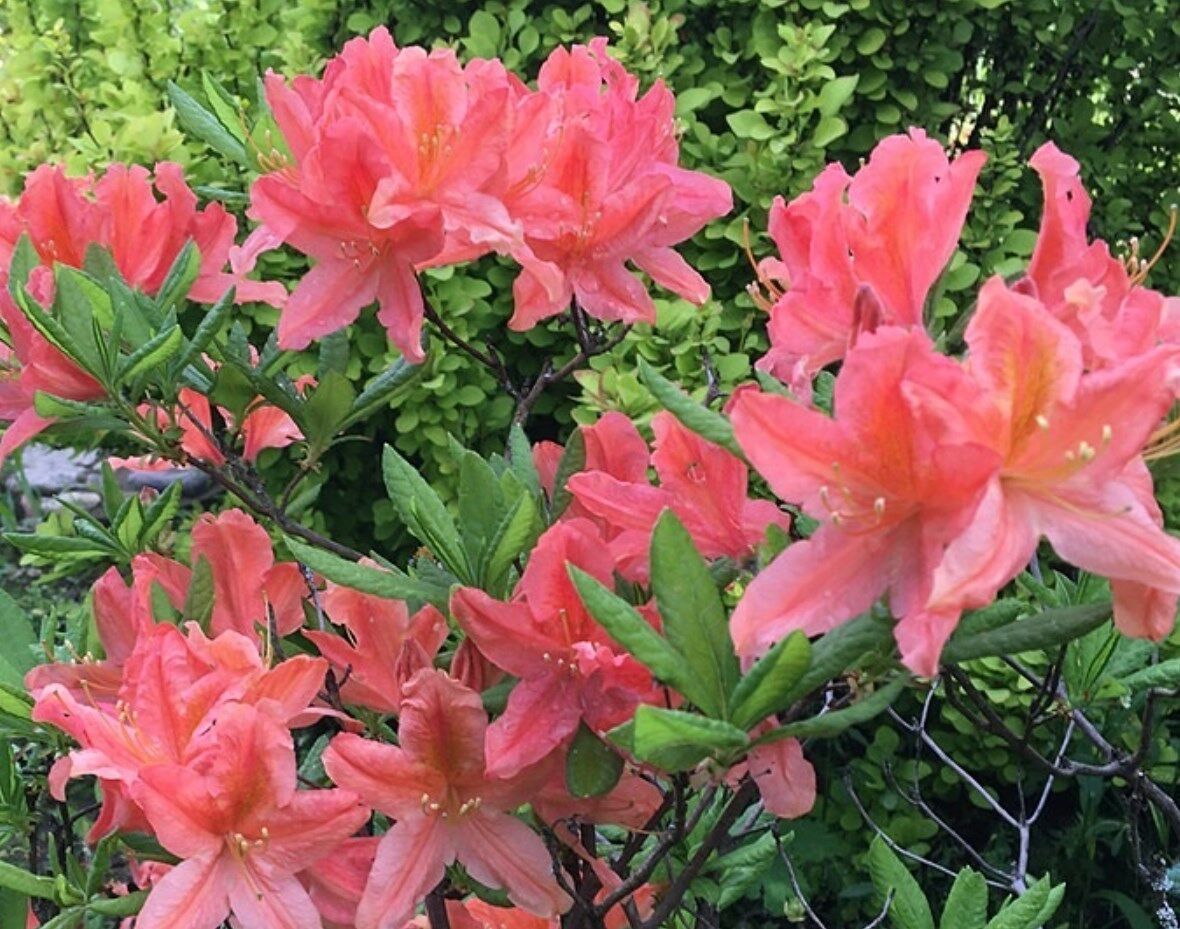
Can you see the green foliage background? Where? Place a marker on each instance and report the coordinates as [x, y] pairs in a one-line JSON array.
[[768, 91]]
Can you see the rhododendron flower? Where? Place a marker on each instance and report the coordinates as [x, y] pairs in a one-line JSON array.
[[435, 784], [174, 685], [702, 483], [337, 883], [63, 216], [388, 645], [864, 250], [234, 816], [1071, 472], [889, 488], [611, 192], [393, 150], [569, 668], [247, 581], [785, 779], [1081, 283]]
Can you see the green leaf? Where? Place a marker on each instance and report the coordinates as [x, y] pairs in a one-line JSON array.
[[1165, 675], [484, 40], [379, 390], [592, 768], [992, 616], [380, 582], [835, 94], [693, 616], [700, 419], [520, 459], [16, 632], [750, 124], [870, 41], [14, 908], [53, 546], [206, 329], [232, 390], [1044, 631], [31, 885], [156, 351], [1031, 909], [832, 724], [908, 908], [677, 741], [199, 602], [180, 277], [573, 460], [838, 650], [424, 513], [515, 535], [224, 106], [966, 904], [626, 626], [767, 687], [159, 514], [201, 124], [326, 410], [828, 130]]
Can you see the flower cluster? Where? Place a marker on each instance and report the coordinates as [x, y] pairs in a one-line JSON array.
[[400, 159], [935, 479]]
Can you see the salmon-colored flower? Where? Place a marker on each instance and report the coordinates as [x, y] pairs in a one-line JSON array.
[[387, 647], [446, 807], [702, 483], [1071, 470], [863, 250], [890, 486], [569, 668], [63, 216], [243, 831], [610, 192], [1097, 296]]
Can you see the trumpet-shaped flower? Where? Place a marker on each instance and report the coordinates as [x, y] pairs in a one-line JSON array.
[[388, 645], [569, 669], [446, 807], [243, 831], [864, 250], [701, 482], [889, 486], [610, 192], [1100, 298], [1071, 470]]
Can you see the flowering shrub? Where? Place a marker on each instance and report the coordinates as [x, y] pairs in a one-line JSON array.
[[588, 698]]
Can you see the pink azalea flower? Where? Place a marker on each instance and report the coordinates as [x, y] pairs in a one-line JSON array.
[[246, 577], [610, 192], [393, 153], [1081, 283], [385, 649], [613, 445], [243, 831], [889, 487], [337, 883], [704, 485], [436, 786], [785, 779], [62, 217], [864, 250], [569, 669], [1071, 470]]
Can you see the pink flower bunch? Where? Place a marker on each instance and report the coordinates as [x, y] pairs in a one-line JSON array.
[[400, 159], [63, 217], [935, 479]]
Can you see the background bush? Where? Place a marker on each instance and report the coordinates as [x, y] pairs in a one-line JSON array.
[[768, 91]]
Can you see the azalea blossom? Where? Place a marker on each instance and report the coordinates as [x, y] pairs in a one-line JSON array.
[[64, 216], [569, 668], [611, 192], [1100, 298], [387, 647], [436, 786], [1071, 471], [863, 250], [890, 486], [392, 152], [242, 829], [702, 483]]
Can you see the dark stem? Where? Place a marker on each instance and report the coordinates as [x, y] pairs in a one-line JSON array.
[[436, 909]]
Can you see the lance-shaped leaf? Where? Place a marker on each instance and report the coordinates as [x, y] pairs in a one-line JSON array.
[[838, 650], [424, 513], [677, 741], [386, 582], [573, 460], [1044, 631], [908, 908], [204, 125], [704, 422], [827, 725], [769, 685], [692, 613], [592, 768], [966, 904], [382, 389]]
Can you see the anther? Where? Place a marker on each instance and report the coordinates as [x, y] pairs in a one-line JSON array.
[[1042, 421]]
